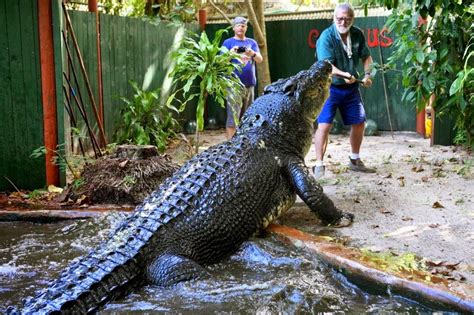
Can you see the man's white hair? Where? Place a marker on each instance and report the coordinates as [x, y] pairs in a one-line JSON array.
[[344, 7]]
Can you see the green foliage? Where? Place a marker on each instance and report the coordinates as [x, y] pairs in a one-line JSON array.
[[466, 169], [388, 261], [124, 7], [146, 120], [77, 183], [61, 160], [168, 10], [129, 180], [203, 64], [182, 12], [37, 194], [435, 57]]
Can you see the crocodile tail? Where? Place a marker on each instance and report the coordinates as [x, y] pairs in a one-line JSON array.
[[111, 271], [87, 285]]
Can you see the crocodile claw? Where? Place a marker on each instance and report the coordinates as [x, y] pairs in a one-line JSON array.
[[346, 219]]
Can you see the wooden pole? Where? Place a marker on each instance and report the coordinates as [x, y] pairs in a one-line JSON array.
[[92, 4], [48, 89], [93, 9], [202, 18]]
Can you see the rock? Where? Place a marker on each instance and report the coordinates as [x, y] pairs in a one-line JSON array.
[[190, 127], [134, 152]]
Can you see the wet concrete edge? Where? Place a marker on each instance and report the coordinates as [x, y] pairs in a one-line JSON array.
[[55, 215], [336, 256]]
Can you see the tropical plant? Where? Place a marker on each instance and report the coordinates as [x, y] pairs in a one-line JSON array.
[[60, 159], [204, 64], [146, 120], [434, 40]]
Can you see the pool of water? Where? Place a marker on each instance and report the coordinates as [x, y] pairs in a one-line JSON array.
[[264, 277]]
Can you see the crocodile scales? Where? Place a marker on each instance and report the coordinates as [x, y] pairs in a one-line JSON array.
[[216, 201]]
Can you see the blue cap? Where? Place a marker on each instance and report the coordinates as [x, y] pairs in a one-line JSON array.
[[239, 20]]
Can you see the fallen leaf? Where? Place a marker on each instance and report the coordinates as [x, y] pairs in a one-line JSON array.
[[384, 211], [407, 218], [401, 181], [81, 200], [123, 164], [54, 189], [437, 205], [419, 168], [457, 277], [442, 263], [434, 225], [424, 179]]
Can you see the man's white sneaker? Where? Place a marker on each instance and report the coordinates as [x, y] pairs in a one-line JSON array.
[[318, 171]]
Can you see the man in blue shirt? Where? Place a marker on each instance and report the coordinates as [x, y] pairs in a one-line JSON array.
[[249, 55], [343, 45]]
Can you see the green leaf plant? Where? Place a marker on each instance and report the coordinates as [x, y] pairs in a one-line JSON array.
[[146, 120], [434, 40], [203, 68], [61, 159]]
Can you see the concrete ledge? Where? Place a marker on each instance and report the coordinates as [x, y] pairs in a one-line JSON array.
[[438, 296], [46, 216]]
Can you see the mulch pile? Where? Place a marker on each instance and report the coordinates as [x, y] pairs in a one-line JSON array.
[[127, 176]]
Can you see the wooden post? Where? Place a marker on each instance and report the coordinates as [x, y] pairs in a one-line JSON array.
[[202, 18], [420, 123], [93, 8], [48, 88], [420, 116], [92, 4]]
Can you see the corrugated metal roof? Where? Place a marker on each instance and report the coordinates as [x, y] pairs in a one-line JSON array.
[[309, 15]]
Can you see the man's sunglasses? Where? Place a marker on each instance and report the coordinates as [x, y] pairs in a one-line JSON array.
[[345, 19]]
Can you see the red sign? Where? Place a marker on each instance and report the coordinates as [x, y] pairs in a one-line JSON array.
[[374, 38]]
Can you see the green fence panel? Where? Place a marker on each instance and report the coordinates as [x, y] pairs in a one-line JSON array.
[[291, 48], [135, 50], [21, 116], [443, 130], [132, 50]]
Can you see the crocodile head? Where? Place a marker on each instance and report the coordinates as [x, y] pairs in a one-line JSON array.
[[308, 89], [288, 108]]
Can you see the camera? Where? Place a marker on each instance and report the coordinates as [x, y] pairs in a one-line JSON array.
[[241, 49]]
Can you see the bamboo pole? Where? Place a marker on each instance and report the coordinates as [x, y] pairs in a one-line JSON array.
[[86, 78], [83, 113], [70, 112]]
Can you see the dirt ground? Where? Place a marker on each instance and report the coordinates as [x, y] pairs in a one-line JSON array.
[[419, 201]]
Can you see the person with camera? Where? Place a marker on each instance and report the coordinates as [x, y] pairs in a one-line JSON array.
[[343, 45], [250, 54]]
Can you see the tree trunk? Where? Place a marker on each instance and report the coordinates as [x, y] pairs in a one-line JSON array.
[[257, 18]]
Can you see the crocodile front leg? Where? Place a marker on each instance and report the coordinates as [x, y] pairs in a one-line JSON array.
[[312, 194]]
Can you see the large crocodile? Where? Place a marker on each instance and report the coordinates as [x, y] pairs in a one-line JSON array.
[[216, 201]]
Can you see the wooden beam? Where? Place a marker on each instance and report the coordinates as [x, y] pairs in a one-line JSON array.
[[48, 88]]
